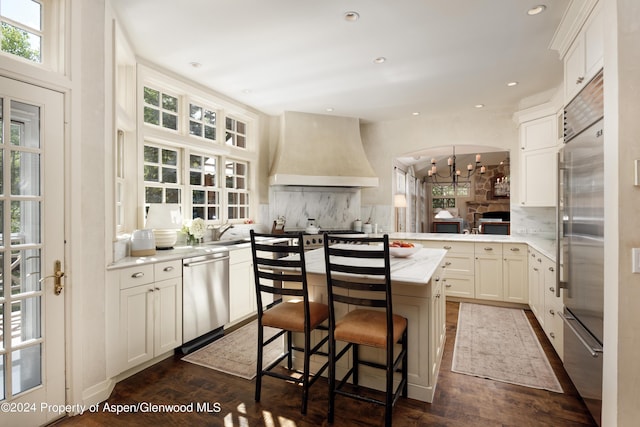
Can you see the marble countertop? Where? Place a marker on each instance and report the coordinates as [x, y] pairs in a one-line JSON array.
[[416, 269], [544, 246], [182, 252]]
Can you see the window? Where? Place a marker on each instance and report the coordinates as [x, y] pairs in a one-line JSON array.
[[160, 109], [444, 195], [236, 133], [202, 122], [161, 175], [237, 194], [21, 28], [205, 194]]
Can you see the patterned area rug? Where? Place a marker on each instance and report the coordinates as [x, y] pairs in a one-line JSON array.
[[499, 343], [235, 353]]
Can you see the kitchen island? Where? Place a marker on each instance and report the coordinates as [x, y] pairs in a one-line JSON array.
[[417, 295]]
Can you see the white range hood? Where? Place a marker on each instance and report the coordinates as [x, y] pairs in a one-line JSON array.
[[321, 150]]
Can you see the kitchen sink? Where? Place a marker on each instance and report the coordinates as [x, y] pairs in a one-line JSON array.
[[229, 242]]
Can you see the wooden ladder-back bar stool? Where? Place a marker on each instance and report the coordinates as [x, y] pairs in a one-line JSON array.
[[272, 269], [359, 275]]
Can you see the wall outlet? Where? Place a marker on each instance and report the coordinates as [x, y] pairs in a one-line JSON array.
[[635, 260]]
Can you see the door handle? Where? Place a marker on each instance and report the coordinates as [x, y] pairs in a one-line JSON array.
[[57, 276]]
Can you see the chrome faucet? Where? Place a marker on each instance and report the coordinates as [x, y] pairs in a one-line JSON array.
[[220, 230]]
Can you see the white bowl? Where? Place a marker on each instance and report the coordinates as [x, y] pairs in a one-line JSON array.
[[399, 252], [165, 238]]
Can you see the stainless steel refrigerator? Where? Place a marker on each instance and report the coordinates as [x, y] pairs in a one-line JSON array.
[[581, 242]]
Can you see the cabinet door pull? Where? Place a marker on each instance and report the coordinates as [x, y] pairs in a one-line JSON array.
[[551, 312], [552, 289], [168, 269], [515, 249], [448, 263], [552, 335], [552, 269], [157, 288], [488, 248], [137, 275], [579, 80], [448, 285], [535, 268], [150, 290], [539, 259], [447, 247]]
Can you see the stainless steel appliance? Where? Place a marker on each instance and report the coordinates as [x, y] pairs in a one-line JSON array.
[[205, 298], [581, 242]]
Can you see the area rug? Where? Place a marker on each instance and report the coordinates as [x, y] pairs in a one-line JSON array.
[[235, 353], [499, 343]]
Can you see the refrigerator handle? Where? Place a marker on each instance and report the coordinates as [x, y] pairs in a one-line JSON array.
[[594, 350], [559, 229]]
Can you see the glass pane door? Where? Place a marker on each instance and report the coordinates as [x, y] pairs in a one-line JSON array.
[[20, 290]]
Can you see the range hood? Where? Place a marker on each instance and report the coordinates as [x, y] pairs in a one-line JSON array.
[[321, 150]]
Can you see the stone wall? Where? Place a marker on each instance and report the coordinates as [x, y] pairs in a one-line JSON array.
[[485, 200]]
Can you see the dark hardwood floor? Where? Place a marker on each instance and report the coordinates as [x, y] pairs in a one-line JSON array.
[[460, 400]]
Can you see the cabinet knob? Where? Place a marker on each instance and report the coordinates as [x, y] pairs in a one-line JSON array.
[[552, 289], [447, 263], [551, 312], [168, 269], [535, 268], [579, 80], [437, 278], [137, 275], [552, 269], [539, 259], [150, 290], [447, 247], [552, 335], [448, 285]]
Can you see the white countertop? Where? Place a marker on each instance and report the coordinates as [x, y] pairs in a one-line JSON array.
[[545, 246], [416, 269]]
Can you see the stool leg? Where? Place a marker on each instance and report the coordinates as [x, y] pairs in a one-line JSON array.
[[405, 365], [354, 349], [259, 362], [305, 379], [332, 377], [289, 351]]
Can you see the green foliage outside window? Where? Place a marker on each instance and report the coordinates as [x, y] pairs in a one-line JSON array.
[[16, 41]]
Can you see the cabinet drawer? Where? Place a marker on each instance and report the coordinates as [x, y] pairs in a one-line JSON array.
[[462, 263], [514, 249], [167, 270], [136, 276], [451, 247], [240, 255], [459, 286], [488, 249]]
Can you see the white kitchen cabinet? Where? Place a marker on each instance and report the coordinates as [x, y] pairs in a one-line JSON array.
[[242, 294], [536, 286], [538, 159], [150, 321], [515, 274], [459, 265], [488, 271], [585, 56], [553, 324]]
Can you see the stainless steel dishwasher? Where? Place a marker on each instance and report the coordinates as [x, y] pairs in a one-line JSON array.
[[205, 298]]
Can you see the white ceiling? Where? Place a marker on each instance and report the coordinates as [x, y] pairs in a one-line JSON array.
[[296, 55]]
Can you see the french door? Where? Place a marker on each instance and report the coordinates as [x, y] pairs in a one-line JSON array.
[[32, 351]]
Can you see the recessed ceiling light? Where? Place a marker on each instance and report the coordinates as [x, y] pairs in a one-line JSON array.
[[535, 10], [351, 16], [195, 64], [479, 105], [379, 60], [416, 113], [512, 84], [329, 109]]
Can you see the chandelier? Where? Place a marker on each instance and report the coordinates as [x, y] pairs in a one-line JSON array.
[[454, 173]]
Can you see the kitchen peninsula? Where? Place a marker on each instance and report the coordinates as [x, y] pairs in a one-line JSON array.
[[417, 295]]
